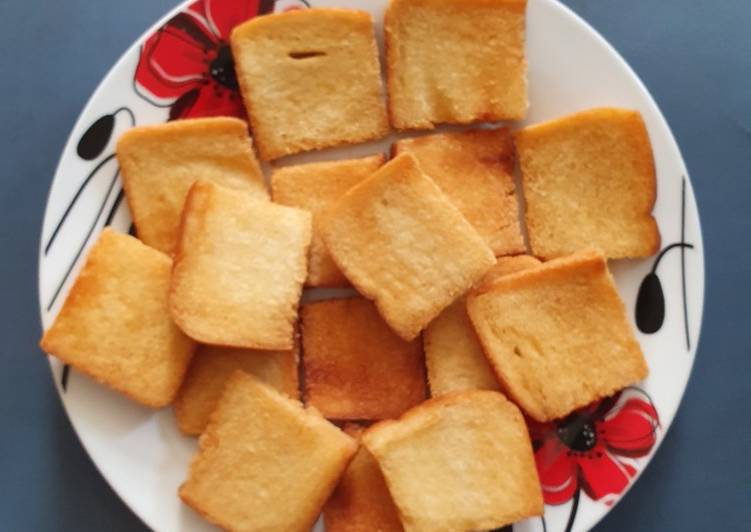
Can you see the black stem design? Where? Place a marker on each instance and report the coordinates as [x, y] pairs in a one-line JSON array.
[[128, 112], [574, 509], [64, 377], [115, 205], [683, 262], [682, 245], [85, 240], [544, 526], [74, 200]]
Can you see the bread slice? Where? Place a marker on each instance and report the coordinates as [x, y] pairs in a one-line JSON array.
[[453, 355], [209, 371], [159, 164], [462, 461], [455, 61], [310, 79], [314, 187], [557, 335], [264, 462], [361, 502], [402, 243], [115, 327], [589, 181], [239, 269], [506, 266], [476, 171], [356, 367]]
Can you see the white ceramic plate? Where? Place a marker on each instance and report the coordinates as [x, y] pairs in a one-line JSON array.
[[179, 68]]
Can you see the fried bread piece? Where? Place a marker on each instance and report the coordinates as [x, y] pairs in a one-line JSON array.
[[264, 463], [453, 355], [589, 181], [159, 163], [476, 171], [314, 187], [557, 335], [356, 367], [115, 325], [239, 269], [403, 244], [455, 61], [310, 79], [462, 461], [361, 502], [209, 371]]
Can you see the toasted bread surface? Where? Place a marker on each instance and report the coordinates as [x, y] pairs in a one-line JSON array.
[[314, 187], [557, 335], [239, 269], [453, 355], [115, 326], [264, 463], [455, 61], [462, 461], [475, 169], [159, 163], [361, 502], [356, 367], [208, 374], [310, 79], [589, 181], [403, 244]]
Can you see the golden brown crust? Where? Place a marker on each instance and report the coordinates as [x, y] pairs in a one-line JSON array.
[[401, 243], [356, 367], [506, 266], [239, 269], [589, 181], [453, 355], [557, 335], [443, 63], [474, 441], [475, 170], [160, 162], [209, 371], [310, 79], [114, 325], [314, 187], [256, 434], [361, 502]]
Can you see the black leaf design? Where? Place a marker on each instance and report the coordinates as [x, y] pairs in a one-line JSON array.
[[95, 139], [650, 305]]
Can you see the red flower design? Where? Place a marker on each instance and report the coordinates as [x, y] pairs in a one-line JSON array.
[[592, 448], [187, 65]]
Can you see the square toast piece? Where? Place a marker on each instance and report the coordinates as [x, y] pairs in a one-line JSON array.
[[476, 171], [403, 244], [356, 367], [159, 164], [314, 187], [209, 371], [557, 336], [264, 462], [462, 461], [453, 355], [589, 181], [115, 325], [361, 502], [239, 269], [455, 61], [310, 79]]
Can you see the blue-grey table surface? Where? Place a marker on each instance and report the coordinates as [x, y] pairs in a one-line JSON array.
[[693, 55]]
